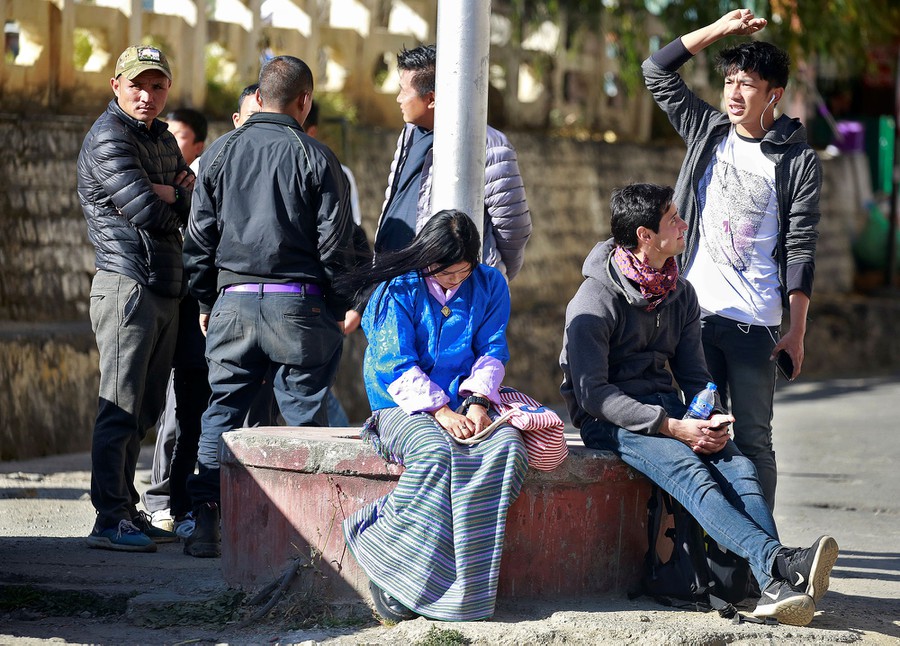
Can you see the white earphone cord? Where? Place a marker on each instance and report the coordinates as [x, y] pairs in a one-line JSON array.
[[772, 100]]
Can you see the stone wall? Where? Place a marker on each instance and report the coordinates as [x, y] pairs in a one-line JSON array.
[[48, 360], [48, 388], [46, 261]]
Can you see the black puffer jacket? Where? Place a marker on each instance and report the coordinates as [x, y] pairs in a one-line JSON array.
[[133, 231]]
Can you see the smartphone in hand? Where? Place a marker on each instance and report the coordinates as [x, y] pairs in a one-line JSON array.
[[785, 365]]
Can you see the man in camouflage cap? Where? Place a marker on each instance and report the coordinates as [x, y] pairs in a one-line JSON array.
[[135, 190], [141, 58]]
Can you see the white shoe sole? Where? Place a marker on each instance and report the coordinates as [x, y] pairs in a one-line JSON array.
[[794, 611], [820, 572]]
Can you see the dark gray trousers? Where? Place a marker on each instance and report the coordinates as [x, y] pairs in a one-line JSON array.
[[135, 331]]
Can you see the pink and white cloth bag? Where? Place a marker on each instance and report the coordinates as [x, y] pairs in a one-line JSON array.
[[542, 429]]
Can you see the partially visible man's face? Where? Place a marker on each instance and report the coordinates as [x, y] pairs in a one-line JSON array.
[[248, 106], [187, 140], [670, 239], [417, 110], [144, 96]]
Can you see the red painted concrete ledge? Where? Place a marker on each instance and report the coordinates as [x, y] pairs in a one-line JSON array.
[[579, 530]]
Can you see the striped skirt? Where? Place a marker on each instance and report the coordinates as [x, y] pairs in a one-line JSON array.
[[434, 543]]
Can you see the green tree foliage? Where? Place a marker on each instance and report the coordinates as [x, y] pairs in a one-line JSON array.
[[222, 86], [82, 48], [843, 31]]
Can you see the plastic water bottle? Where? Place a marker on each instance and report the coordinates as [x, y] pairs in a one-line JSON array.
[[702, 405]]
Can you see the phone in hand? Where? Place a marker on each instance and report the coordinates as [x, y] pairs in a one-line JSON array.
[[785, 365]]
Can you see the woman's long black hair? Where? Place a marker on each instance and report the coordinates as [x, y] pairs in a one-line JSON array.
[[449, 237]]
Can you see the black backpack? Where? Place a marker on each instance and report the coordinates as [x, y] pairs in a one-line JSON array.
[[699, 575]]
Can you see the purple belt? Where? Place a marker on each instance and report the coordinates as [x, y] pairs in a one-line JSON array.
[[275, 288]]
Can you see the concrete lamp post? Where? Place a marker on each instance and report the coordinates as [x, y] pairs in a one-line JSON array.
[[460, 116]]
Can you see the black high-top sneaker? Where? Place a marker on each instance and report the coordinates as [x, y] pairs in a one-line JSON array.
[[142, 520], [808, 570], [206, 539]]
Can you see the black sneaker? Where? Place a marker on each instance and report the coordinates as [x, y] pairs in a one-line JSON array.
[[157, 534], [387, 606], [124, 537], [808, 570], [206, 539], [781, 601]]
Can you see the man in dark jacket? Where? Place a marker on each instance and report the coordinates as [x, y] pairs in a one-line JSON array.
[[270, 229], [749, 192], [407, 203], [631, 317], [135, 191], [407, 199]]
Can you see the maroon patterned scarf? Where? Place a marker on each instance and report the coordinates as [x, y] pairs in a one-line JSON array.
[[655, 284]]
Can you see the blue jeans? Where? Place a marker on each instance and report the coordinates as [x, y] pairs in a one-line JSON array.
[[738, 360], [721, 490], [248, 333], [337, 416], [264, 411]]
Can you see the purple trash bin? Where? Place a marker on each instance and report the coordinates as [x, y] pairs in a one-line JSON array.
[[852, 139]]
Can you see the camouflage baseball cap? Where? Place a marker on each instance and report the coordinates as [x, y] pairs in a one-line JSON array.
[[140, 58]]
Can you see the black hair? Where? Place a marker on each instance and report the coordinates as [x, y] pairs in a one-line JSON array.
[[282, 80], [449, 237], [637, 205], [421, 60], [312, 119], [771, 63], [247, 91], [193, 119]]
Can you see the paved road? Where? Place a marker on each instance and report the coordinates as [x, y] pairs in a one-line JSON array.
[[838, 450], [838, 447]]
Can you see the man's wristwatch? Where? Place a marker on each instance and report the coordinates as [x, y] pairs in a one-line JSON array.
[[473, 399]]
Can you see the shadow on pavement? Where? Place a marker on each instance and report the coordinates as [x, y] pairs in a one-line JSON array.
[[876, 566], [844, 612], [811, 391], [43, 493]]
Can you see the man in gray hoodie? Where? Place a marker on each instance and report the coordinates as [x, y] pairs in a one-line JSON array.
[[631, 317], [749, 192]]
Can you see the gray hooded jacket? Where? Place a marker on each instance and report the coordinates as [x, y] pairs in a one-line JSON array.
[[615, 351], [798, 171]]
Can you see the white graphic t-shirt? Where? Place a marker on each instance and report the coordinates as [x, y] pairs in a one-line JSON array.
[[735, 271]]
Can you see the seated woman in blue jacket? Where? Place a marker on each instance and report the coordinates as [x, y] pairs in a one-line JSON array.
[[436, 326]]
